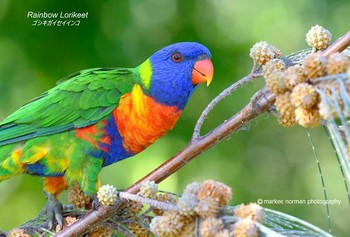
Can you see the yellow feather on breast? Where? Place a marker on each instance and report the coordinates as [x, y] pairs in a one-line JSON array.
[[139, 101], [141, 120]]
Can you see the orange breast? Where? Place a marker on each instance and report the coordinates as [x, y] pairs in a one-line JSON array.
[[141, 120]]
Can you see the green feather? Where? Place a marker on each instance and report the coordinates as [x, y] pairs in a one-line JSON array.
[[103, 99], [111, 96], [78, 101], [95, 85]]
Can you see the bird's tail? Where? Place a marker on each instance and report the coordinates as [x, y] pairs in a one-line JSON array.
[[10, 164]]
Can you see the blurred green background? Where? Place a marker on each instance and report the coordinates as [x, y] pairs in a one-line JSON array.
[[263, 160]]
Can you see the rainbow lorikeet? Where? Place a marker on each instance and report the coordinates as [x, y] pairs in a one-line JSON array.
[[99, 116]]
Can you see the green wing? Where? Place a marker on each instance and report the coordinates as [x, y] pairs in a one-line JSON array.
[[83, 99]]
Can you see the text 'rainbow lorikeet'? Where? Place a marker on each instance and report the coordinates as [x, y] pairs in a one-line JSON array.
[[98, 117]]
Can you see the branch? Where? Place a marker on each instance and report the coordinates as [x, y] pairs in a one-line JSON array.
[[217, 99], [153, 203], [339, 45], [260, 103]]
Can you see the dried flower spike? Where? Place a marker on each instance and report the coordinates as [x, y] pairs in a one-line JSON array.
[[189, 230], [156, 226], [283, 103], [318, 37], [326, 111], [207, 207], [252, 211], [187, 204], [286, 110], [223, 233], [245, 228], [134, 207], [272, 66], [210, 226], [315, 65], [107, 195], [294, 76], [164, 197], [138, 229], [168, 225], [275, 82], [78, 198], [287, 121], [18, 233], [192, 188], [219, 191], [276, 51], [308, 117], [149, 189], [304, 95], [101, 231], [69, 220], [262, 52], [337, 63]]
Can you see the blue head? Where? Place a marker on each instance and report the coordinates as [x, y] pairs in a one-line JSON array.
[[172, 74]]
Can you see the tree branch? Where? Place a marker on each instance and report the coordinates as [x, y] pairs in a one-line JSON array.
[[217, 99], [339, 45]]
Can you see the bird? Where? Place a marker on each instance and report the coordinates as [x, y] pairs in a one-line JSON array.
[[97, 117]]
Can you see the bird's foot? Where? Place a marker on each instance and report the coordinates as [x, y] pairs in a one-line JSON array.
[[54, 212], [95, 203]]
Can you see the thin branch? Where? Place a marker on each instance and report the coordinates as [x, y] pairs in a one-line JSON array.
[[217, 99], [151, 202], [339, 45]]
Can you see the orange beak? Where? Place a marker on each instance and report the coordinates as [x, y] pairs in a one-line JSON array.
[[203, 71]]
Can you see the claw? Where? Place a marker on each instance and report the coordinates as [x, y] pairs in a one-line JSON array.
[[95, 203], [54, 211]]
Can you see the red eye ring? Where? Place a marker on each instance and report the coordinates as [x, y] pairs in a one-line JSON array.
[[176, 57]]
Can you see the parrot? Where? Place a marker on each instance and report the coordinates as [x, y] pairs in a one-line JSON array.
[[97, 117]]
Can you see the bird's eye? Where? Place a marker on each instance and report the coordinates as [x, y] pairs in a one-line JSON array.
[[176, 57]]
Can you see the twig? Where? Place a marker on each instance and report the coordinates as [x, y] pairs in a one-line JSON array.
[[151, 202], [338, 46], [217, 99]]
